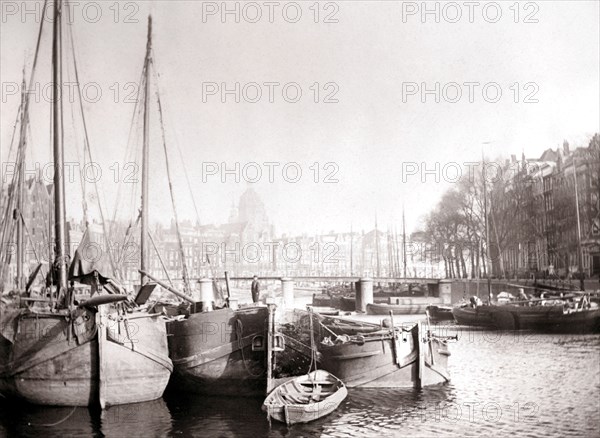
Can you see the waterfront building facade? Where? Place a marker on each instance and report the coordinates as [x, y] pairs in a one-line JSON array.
[[534, 226]]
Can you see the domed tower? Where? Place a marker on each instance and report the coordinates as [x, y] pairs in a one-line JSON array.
[[233, 213], [252, 212]]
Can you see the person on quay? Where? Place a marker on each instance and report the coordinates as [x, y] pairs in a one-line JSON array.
[[255, 288]]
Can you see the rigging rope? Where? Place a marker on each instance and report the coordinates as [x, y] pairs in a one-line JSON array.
[[127, 237], [129, 150], [166, 271], [189, 185], [32, 245], [24, 113], [46, 219], [130, 156], [239, 334], [186, 280], [88, 149], [12, 138], [7, 223], [76, 136]]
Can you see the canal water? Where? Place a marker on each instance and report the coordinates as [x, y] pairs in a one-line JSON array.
[[503, 384]]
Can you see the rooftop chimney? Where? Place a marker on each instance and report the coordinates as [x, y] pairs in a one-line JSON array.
[[566, 147]]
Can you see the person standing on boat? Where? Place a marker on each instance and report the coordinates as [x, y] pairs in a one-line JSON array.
[[522, 295], [255, 288], [475, 302]]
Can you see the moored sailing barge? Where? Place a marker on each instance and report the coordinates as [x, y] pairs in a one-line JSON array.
[[363, 354], [98, 352]]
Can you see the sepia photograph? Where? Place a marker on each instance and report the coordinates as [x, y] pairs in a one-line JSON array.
[[310, 218]]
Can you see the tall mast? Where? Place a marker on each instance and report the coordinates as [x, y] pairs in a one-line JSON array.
[[390, 251], [145, 155], [500, 260], [377, 247], [403, 243], [20, 184], [579, 248], [487, 234], [396, 252], [59, 187], [351, 251]]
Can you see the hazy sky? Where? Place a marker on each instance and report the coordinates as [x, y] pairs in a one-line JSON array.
[[368, 57]]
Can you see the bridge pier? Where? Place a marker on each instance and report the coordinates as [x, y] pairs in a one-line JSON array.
[[445, 292], [287, 289], [206, 294], [364, 294]]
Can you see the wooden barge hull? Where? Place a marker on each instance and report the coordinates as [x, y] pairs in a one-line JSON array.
[[57, 362], [551, 319], [364, 354], [213, 352], [474, 316], [373, 365], [546, 319]]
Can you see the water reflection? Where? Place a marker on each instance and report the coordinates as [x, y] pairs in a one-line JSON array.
[[151, 419], [386, 412], [196, 415], [502, 384], [365, 412]]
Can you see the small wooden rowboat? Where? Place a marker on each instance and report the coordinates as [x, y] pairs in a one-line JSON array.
[[305, 398]]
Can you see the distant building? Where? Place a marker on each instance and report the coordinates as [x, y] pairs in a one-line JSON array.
[[37, 232], [244, 246], [237, 246], [539, 198]]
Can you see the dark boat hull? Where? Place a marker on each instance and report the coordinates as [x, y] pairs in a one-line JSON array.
[[373, 364], [57, 363], [212, 352], [440, 313], [367, 356], [546, 318], [474, 316], [537, 317], [347, 304]]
